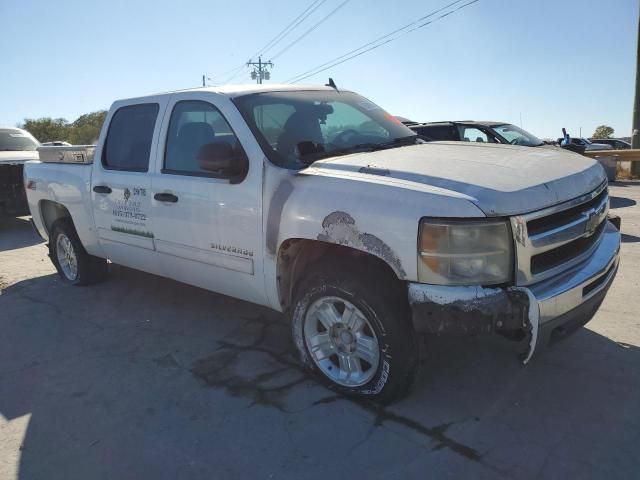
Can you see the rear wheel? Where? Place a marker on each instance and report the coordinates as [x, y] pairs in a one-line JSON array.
[[355, 333], [73, 263]]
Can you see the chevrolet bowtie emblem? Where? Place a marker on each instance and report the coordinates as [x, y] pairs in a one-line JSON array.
[[593, 222]]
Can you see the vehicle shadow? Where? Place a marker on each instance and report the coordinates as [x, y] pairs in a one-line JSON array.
[[625, 183], [142, 377], [626, 238], [21, 233], [621, 202]]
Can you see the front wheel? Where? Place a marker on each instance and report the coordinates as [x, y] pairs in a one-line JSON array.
[[355, 334], [73, 263]]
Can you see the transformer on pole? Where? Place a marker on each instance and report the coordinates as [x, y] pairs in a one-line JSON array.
[[260, 71]]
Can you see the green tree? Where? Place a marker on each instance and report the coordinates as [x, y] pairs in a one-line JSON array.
[[86, 129], [47, 129], [603, 131], [83, 131]]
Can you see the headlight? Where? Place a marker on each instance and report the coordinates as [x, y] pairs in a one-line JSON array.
[[463, 252]]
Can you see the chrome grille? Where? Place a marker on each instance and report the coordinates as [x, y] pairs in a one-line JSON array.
[[555, 239]]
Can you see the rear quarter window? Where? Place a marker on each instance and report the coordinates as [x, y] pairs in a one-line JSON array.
[[128, 143], [439, 132]]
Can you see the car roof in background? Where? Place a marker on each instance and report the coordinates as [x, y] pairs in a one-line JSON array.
[[486, 123]]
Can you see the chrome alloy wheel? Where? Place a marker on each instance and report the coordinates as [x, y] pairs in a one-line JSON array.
[[66, 257], [341, 341]]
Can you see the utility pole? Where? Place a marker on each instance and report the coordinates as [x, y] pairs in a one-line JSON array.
[[203, 84], [260, 71], [635, 128]]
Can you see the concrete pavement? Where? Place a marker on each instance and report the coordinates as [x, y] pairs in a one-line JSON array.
[[142, 377]]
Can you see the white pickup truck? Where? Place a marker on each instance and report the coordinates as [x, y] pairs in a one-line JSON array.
[[316, 202], [17, 146]]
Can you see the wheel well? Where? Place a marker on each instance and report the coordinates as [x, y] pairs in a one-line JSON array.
[[296, 255], [52, 212]]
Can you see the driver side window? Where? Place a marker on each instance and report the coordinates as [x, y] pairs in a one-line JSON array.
[[196, 124]]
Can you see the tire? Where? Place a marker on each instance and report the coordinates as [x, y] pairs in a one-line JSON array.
[[74, 265], [348, 365]]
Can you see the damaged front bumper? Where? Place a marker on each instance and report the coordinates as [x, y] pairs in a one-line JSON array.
[[541, 313]]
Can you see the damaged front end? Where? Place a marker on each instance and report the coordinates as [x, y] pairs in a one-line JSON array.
[[474, 310], [536, 315]]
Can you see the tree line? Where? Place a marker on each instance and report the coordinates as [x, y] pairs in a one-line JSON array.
[[86, 129], [82, 131]]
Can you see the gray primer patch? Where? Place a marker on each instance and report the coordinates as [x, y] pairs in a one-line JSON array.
[[340, 228], [279, 198]]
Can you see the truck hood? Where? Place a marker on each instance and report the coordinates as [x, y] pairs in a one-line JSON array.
[[17, 157], [498, 179]]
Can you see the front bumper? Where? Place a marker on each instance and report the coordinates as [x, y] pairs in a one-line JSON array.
[[542, 312]]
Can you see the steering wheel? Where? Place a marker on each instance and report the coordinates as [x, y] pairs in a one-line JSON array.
[[515, 141], [342, 137]]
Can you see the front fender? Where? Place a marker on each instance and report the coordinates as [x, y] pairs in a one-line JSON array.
[[367, 213]]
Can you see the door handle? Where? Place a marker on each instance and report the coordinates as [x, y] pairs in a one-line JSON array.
[[102, 189], [166, 197]]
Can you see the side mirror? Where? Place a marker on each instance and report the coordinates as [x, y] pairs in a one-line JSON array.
[[221, 159]]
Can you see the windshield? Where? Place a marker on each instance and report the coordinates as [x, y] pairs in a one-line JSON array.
[[296, 128], [517, 136], [12, 139]]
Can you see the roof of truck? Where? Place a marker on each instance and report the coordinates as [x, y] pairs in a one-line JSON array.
[[233, 91], [487, 123], [246, 89]]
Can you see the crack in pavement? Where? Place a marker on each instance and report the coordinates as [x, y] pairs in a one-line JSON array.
[[270, 388], [218, 370]]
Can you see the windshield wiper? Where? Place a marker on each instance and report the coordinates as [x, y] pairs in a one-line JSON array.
[[411, 139], [363, 147]]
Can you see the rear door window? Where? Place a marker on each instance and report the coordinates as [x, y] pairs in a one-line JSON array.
[[128, 143], [439, 132]]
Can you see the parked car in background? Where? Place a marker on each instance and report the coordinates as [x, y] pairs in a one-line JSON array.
[[587, 144], [472, 131], [16, 147], [317, 203], [616, 143]]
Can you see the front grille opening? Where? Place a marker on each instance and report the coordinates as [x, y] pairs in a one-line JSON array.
[[597, 283], [544, 224], [557, 256]]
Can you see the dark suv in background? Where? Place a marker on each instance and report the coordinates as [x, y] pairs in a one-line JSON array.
[[616, 143], [471, 131]]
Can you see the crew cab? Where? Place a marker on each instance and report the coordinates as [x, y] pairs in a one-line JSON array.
[[16, 147], [316, 202]]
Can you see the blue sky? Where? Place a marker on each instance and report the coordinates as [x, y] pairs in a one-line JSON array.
[[554, 62]]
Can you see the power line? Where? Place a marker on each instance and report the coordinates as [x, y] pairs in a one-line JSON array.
[[237, 71], [316, 25], [377, 43], [227, 72], [373, 42], [240, 71], [312, 7], [234, 73]]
